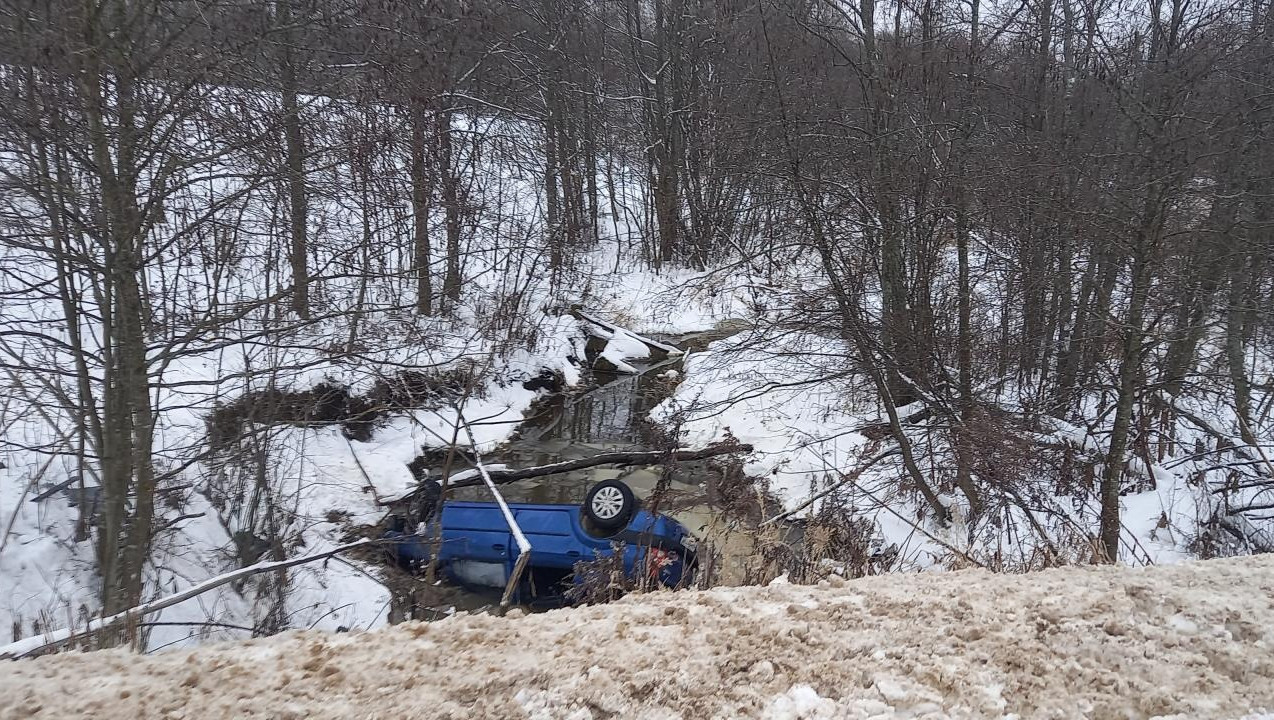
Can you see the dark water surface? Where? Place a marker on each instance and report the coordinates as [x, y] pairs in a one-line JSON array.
[[614, 415]]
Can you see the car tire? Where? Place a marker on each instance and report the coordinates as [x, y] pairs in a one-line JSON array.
[[426, 501], [395, 528], [610, 504], [396, 523]]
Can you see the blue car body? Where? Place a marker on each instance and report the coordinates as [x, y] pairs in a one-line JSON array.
[[477, 549]]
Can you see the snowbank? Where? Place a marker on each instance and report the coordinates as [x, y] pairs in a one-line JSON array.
[[326, 481], [1194, 640], [672, 300], [815, 425], [786, 397], [622, 347]]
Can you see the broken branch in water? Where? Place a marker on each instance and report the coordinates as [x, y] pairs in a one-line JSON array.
[[501, 475]]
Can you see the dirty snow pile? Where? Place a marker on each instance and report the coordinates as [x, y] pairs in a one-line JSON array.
[[1193, 640]]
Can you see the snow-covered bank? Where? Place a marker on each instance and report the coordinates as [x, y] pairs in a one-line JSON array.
[[1186, 641], [822, 440], [326, 481], [674, 300], [323, 481]]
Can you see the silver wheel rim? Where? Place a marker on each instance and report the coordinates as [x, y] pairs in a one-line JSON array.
[[608, 502]]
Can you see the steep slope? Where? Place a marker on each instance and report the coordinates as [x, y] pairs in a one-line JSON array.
[[821, 433], [1187, 641]]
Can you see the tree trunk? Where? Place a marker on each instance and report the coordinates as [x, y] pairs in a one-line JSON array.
[[1129, 371], [552, 198], [964, 309], [450, 205], [1235, 344], [128, 479], [421, 191], [136, 389], [295, 150], [667, 146]]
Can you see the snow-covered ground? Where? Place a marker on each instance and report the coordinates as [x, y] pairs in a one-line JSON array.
[[815, 422], [789, 395], [324, 481], [510, 323], [673, 300], [1192, 640]]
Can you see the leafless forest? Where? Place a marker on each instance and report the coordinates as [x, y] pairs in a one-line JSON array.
[[1039, 235]]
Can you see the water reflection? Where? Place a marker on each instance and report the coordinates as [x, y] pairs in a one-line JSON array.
[[614, 416]]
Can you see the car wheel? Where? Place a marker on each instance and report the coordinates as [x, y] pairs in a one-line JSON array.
[[395, 528], [610, 504], [426, 500]]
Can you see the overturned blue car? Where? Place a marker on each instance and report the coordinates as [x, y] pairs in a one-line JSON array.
[[476, 549]]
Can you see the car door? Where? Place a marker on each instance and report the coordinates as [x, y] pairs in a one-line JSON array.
[[548, 529], [477, 546]]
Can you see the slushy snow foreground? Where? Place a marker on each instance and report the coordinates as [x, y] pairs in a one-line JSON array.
[[1184, 641]]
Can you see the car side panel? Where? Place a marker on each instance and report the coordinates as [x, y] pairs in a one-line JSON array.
[[474, 531], [548, 529]]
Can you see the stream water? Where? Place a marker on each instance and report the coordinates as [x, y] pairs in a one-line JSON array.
[[720, 508], [613, 415]]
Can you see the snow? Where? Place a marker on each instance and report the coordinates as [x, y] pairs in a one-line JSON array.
[[785, 399], [799, 703], [623, 346], [327, 482], [795, 397], [510, 321], [36, 643], [788, 396], [1191, 640], [672, 300]]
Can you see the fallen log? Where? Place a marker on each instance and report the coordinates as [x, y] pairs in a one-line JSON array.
[[610, 328], [502, 474]]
